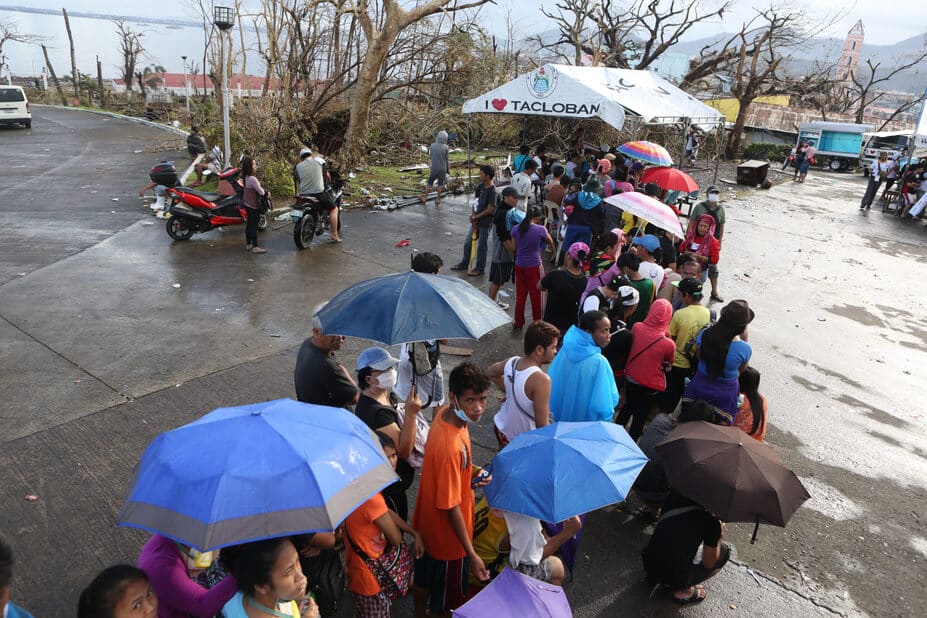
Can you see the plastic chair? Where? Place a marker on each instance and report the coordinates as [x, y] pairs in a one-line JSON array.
[[552, 222]]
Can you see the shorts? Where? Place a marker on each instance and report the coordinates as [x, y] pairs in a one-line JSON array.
[[501, 273], [373, 606], [537, 571], [325, 198], [446, 581], [710, 273], [698, 573], [803, 168], [436, 178]]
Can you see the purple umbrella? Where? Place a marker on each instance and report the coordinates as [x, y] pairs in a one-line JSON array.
[[515, 595]]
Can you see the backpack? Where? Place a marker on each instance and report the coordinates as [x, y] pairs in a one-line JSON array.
[[690, 350], [326, 580], [424, 357], [518, 163], [512, 218]]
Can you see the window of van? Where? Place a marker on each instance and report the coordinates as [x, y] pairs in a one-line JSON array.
[[888, 142], [11, 95]]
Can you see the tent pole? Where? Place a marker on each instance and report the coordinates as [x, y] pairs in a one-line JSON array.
[[469, 161], [524, 129], [686, 123], [718, 150]]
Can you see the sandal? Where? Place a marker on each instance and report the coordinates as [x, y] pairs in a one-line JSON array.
[[458, 267], [717, 298], [475, 273], [694, 598]]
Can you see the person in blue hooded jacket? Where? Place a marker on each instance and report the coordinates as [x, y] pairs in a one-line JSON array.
[[585, 212], [582, 382]]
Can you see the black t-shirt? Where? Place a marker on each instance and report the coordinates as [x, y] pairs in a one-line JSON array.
[[616, 352], [564, 290], [669, 554], [375, 415], [498, 220], [486, 198], [320, 379], [669, 251]]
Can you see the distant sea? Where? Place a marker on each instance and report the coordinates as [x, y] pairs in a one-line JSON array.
[[164, 45]]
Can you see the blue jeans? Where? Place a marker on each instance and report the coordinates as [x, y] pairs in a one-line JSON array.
[[576, 233], [482, 245]]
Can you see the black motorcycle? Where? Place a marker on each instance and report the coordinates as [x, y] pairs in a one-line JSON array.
[[309, 217]]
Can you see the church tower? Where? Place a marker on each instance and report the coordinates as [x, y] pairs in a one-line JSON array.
[[852, 47]]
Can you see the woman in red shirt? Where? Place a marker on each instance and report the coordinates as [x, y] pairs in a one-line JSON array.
[[650, 356], [700, 241], [751, 413]]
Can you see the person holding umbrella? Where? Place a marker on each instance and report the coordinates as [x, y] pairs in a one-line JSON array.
[[668, 557], [377, 375]]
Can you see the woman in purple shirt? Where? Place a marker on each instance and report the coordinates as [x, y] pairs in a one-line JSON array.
[[253, 189], [529, 239]]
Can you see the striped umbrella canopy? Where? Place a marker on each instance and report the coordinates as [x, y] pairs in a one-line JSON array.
[[648, 152], [255, 472], [650, 210]]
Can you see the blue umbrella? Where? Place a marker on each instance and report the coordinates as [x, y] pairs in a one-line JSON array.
[[411, 307], [253, 472], [564, 469], [515, 595]]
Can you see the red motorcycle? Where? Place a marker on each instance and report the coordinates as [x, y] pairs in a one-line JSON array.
[[194, 212]]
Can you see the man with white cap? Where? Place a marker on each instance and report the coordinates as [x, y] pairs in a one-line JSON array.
[[312, 180]]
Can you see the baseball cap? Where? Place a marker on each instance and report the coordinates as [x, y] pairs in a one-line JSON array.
[[712, 189], [618, 282], [377, 359], [304, 151], [629, 296], [689, 285], [592, 185], [511, 192], [579, 247], [647, 241]]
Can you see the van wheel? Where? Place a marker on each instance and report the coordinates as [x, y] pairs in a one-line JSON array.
[[28, 124]]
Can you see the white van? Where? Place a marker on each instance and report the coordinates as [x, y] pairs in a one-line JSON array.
[[14, 107]]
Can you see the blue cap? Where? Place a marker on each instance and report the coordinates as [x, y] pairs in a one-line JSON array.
[[648, 241], [377, 359]]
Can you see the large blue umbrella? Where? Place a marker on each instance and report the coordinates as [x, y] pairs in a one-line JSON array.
[[515, 595], [411, 307], [256, 471], [564, 469]]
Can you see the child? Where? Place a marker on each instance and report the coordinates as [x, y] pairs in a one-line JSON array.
[[529, 238], [120, 591], [751, 413]]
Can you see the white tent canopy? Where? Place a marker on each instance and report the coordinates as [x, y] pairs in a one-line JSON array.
[[595, 92]]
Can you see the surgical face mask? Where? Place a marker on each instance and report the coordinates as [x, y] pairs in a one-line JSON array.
[[461, 414], [388, 379], [712, 197]]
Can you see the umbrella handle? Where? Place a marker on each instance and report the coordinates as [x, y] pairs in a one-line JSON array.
[[756, 528]]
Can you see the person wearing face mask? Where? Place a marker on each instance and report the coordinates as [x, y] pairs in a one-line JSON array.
[[444, 508], [711, 205], [270, 582], [377, 375]]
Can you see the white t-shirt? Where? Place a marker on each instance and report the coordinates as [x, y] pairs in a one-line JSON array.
[[517, 412], [522, 183], [526, 537], [654, 271]]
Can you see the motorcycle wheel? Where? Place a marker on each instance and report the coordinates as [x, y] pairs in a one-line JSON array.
[[262, 222], [304, 230], [179, 228]]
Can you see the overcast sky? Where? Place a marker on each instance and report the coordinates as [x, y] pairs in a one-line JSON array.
[[886, 22]]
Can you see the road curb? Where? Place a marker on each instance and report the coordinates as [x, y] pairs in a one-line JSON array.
[[142, 121]]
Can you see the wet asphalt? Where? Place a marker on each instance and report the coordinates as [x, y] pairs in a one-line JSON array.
[[102, 352]]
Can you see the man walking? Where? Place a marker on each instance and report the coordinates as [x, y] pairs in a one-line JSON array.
[[484, 205], [319, 378], [879, 172], [438, 168]]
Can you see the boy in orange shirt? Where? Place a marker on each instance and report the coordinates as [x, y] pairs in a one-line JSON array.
[[444, 509]]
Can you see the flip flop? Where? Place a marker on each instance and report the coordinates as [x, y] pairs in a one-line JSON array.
[[475, 273], [695, 598], [458, 267]]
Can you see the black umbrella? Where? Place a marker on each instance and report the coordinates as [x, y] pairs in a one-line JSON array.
[[733, 476]]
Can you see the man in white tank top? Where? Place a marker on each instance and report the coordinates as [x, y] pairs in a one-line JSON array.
[[527, 387]]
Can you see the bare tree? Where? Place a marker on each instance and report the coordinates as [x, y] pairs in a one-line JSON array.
[[9, 33], [75, 74], [864, 88], [381, 26], [54, 77], [573, 19], [131, 47]]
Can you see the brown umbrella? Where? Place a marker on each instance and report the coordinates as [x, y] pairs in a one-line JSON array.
[[730, 474]]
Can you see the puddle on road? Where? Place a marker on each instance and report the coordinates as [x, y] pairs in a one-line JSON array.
[[808, 384], [829, 501], [857, 314], [872, 412], [894, 247]]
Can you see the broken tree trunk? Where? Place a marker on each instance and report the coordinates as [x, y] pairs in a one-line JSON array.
[[75, 76], [51, 71]]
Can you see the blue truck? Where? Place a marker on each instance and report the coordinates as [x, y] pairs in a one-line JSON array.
[[837, 143]]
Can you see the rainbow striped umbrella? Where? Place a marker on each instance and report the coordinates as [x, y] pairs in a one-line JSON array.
[[648, 152]]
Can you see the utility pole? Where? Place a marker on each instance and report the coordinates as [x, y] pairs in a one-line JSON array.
[[224, 19], [100, 82], [186, 84]]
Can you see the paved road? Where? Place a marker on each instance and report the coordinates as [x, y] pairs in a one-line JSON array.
[[101, 353]]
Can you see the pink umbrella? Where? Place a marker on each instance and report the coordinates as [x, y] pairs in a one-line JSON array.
[[650, 210]]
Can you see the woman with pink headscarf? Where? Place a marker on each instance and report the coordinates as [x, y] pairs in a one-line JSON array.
[[701, 242]]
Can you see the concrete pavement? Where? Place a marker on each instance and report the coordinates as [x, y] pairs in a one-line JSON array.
[[102, 353]]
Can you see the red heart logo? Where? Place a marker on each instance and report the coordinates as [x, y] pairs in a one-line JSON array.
[[499, 104]]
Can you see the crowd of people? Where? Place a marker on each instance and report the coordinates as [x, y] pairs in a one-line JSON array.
[[908, 177], [621, 326]]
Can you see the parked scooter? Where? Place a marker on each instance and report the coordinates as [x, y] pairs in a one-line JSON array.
[[310, 219], [194, 212]]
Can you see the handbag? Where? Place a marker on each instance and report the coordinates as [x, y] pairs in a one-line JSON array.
[[326, 580], [393, 569]]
